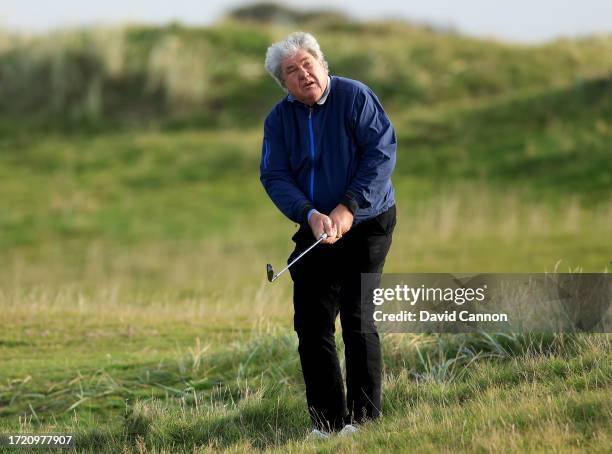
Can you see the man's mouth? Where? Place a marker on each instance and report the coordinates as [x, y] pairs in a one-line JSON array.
[[309, 84]]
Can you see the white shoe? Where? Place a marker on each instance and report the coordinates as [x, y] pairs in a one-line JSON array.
[[317, 434], [348, 430]]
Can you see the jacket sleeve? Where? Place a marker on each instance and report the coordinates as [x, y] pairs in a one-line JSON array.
[[377, 143], [276, 175]]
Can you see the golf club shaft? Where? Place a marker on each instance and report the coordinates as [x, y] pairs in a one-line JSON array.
[[323, 237]]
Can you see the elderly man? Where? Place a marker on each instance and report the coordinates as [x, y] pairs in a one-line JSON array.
[[327, 158]]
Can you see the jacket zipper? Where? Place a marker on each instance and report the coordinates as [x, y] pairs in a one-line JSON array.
[[312, 156], [266, 159]]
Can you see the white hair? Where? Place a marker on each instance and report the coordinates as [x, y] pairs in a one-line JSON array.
[[296, 41]]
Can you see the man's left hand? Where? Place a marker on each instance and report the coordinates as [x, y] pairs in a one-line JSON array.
[[342, 219]]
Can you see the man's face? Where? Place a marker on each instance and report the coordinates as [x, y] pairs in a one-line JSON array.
[[304, 77]]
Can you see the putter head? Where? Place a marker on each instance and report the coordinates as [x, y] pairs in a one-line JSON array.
[[270, 272]]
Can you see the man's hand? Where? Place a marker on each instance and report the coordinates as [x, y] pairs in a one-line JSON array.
[[320, 223], [342, 219]]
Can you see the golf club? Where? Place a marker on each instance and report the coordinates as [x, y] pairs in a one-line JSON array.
[[272, 277]]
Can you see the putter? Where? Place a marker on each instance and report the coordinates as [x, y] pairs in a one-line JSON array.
[[272, 277]]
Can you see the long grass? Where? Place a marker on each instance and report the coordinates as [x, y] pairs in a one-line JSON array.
[[243, 396], [110, 77]]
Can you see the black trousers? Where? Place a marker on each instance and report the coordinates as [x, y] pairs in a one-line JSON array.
[[327, 281]]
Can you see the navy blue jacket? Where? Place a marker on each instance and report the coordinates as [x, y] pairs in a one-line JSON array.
[[342, 151]]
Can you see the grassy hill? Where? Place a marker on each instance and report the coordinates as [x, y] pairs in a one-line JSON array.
[[214, 77], [556, 141], [134, 233]]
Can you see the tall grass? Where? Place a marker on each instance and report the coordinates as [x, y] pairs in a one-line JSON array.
[[105, 77], [248, 394], [437, 233]]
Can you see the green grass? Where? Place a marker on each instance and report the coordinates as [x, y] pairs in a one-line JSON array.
[[241, 389], [136, 314], [106, 79], [551, 142]]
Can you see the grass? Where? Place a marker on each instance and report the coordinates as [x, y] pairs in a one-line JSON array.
[[136, 314], [111, 78], [552, 142], [135, 348], [237, 389]]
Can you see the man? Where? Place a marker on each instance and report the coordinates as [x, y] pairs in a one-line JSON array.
[[327, 158]]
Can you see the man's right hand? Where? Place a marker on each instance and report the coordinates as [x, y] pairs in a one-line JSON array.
[[319, 224]]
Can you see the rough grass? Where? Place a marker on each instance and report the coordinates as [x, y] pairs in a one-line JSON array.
[[177, 76], [241, 389]]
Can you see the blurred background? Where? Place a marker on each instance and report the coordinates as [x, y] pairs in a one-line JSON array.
[[130, 138]]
